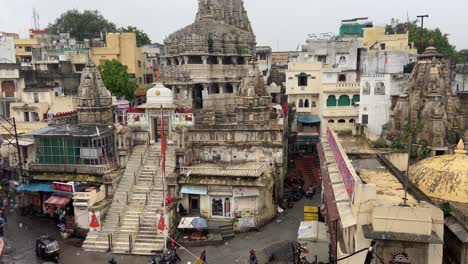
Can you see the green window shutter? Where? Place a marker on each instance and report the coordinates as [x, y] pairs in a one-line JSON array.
[[356, 99], [344, 101], [331, 101]]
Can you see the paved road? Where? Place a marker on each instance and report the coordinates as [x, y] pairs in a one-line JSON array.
[[21, 233]]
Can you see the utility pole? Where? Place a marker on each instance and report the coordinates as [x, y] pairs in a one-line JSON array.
[[421, 43], [13, 133]]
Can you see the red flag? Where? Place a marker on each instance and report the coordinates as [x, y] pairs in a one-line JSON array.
[[386, 58], [163, 146], [161, 224]]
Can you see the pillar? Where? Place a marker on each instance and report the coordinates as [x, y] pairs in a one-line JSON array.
[[180, 60], [235, 87], [205, 91], [205, 59], [220, 60], [234, 60], [173, 61], [186, 59], [222, 87]]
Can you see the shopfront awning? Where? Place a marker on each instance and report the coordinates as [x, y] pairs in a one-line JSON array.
[[35, 187], [59, 201], [308, 119], [194, 189]]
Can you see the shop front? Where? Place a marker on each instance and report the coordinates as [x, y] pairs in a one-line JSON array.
[[31, 197]]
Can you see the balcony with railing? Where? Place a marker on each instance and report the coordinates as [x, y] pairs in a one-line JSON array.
[[342, 87]]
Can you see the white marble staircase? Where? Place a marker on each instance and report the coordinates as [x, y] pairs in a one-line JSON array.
[[99, 241], [133, 226]]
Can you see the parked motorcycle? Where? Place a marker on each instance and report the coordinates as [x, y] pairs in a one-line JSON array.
[[169, 258], [310, 193], [112, 261], [299, 194], [290, 201]]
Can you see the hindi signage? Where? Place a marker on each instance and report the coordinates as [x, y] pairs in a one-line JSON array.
[[64, 187]]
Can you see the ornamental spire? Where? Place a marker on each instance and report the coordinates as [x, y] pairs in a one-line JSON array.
[[460, 149]]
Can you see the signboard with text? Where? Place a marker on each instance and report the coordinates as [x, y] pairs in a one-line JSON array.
[[64, 187]]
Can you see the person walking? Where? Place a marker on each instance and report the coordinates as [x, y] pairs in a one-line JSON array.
[[202, 258], [253, 257]]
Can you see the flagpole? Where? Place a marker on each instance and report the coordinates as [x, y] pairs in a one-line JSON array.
[[163, 174]]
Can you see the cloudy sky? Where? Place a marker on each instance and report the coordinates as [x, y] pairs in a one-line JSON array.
[[281, 24]]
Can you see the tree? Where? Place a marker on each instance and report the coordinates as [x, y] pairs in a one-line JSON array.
[[441, 42], [142, 37], [81, 25], [116, 78]]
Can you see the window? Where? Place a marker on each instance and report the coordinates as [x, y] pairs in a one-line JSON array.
[[139, 64], [264, 73], [36, 97], [342, 78], [79, 67], [322, 58], [302, 79], [365, 119], [26, 116], [351, 121], [366, 89], [341, 121], [8, 89], [28, 48], [262, 56], [306, 103], [301, 103], [34, 116], [331, 101], [356, 99], [331, 121], [379, 88], [344, 101], [217, 207], [382, 46], [215, 89], [229, 88], [342, 60], [314, 104]]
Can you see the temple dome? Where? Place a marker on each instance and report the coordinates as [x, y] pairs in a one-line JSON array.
[[159, 94], [443, 177]]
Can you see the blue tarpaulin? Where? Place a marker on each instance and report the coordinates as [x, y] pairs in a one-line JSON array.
[[308, 119], [35, 187], [194, 189]]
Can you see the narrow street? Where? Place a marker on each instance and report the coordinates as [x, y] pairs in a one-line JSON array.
[[21, 233]]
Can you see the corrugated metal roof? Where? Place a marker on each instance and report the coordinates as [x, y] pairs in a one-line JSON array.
[[194, 189], [35, 187]]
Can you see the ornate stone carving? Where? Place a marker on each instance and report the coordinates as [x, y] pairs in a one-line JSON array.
[[434, 111], [124, 136]]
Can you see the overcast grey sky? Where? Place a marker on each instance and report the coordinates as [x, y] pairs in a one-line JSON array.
[[281, 24]]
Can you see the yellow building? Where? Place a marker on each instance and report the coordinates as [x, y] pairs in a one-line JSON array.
[[375, 39], [24, 48], [122, 47]]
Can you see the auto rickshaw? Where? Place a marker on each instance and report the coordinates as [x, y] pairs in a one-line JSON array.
[[47, 249]]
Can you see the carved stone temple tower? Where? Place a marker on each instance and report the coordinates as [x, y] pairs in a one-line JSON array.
[[231, 149], [94, 101], [435, 111]]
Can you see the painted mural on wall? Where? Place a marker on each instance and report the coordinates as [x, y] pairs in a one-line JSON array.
[[183, 117], [136, 118]]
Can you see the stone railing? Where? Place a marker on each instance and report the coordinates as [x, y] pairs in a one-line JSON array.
[[218, 171], [231, 136], [69, 168], [254, 101], [342, 87]]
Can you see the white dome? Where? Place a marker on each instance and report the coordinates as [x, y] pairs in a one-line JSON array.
[[159, 94]]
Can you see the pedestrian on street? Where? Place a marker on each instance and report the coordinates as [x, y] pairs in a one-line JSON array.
[[253, 258], [202, 258]]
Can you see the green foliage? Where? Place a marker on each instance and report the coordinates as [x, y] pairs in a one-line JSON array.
[[452, 137], [463, 56], [141, 37], [81, 25], [423, 151], [440, 39], [397, 143], [379, 143], [445, 207], [116, 78]]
